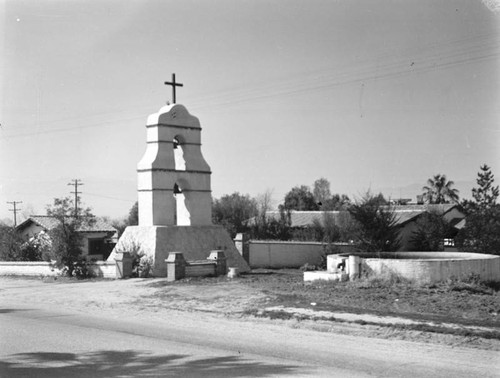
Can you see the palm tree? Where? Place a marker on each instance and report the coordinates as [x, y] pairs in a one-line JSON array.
[[439, 190]]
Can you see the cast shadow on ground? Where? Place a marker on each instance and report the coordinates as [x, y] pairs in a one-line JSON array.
[[131, 363], [9, 310]]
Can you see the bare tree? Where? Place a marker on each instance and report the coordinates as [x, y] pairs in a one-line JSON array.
[[321, 190]]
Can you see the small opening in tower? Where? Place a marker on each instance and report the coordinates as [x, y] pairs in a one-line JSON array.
[[182, 216], [180, 163]]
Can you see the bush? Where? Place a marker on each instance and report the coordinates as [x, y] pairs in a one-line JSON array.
[[377, 227], [81, 269], [272, 229], [37, 248], [66, 249], [142, 266], [308, 267], [387, 279], [472, 284], [431, 230], [481, 233], [10, 244]]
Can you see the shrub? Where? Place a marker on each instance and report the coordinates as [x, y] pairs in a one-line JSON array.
[[272, 229], [142, 266], [384, 280], [81, 269], [431, 230], [308, 267], [377, 227], [37, 248], [10, 244]]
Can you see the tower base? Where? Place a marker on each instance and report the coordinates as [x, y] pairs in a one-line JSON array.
[[195, 242]]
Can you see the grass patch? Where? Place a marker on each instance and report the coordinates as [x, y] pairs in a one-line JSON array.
[[468, 301], [286, 315]]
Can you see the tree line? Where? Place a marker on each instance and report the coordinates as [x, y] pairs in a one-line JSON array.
[[369, 221]]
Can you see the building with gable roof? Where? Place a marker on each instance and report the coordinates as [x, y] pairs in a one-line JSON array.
[[98, 237], [406, 218]]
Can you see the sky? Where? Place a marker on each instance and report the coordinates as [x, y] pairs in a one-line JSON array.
[[371, 95]]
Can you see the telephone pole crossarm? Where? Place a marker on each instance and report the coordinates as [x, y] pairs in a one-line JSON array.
[[76, 183], [15, 210]]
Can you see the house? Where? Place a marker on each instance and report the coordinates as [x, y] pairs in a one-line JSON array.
[[406, 218], [98, 238]]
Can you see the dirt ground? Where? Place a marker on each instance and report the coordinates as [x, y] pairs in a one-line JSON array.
[[453, 314]]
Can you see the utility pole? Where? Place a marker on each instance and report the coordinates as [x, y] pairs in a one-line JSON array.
[[76, 183], [15, 210]]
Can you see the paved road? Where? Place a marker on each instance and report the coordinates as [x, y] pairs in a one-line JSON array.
[[54, 343]]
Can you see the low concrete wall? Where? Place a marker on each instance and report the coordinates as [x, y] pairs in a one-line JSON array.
[[427, 267], [288, 254], [178, 267], [201, 269], [36, 268], [104, 269], [42, 268]]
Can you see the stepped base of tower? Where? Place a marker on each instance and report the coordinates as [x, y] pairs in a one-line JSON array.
[[195, 242]]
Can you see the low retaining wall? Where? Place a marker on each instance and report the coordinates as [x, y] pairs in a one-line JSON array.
[[104, 269], [289, 254], [42, 268], [425, 267], [178, 267]]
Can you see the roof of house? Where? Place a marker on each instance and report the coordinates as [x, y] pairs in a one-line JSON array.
[[49, 223], [437, 208], [404, 214], [302, 218]]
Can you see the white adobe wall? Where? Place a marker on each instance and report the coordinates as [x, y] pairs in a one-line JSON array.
[[35, 268], [439, 269], [425, 267], [46, 269], [285, 254]]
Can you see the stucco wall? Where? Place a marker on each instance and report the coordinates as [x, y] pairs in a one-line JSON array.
[[42, 268], [428, 267], [30, 231], [281, 254]]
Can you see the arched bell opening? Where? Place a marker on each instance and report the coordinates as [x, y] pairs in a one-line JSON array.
[[182, 217], [180, 162]]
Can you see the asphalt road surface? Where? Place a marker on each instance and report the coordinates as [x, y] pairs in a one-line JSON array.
[[54, 343]]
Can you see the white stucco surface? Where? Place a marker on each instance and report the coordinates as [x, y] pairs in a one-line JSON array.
[[195, 242], [426, 267], [159, 173], [287, 254]]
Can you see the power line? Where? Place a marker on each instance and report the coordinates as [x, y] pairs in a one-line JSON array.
[[109, 197], [394, 63], [76, 183], [15, 210]]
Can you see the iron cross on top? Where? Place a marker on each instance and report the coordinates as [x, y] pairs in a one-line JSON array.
[[173, 84]]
